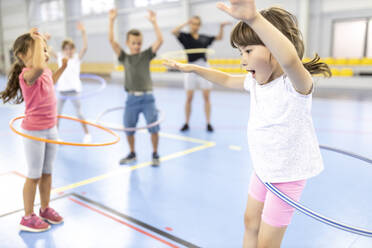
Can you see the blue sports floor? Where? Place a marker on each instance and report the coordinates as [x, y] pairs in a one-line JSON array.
[[197, 197]]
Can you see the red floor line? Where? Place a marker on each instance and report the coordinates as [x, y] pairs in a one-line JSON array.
[[5, 173], [18, 174], [13, 172], [122, 222]]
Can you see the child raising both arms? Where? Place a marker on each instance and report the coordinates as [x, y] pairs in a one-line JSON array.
[[69, 84], [30, 80], [283, 145], [138, 83]]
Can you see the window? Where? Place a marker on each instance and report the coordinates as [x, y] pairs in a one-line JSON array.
[[369, 39], [51, 10], [349, 38], [144, 3], [90, 7]]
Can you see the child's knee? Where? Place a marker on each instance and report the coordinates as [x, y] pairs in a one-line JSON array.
[[33, 180], [252, 222]]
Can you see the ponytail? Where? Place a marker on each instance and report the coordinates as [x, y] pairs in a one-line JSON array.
[[13, 89], [316, 67]]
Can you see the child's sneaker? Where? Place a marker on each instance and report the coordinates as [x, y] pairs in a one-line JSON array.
[[185, 127], [128, 159], [87, 138], [209, 128], [155, 159], [33, 224], [50, 215]]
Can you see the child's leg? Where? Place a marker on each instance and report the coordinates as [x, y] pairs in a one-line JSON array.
[[60, 104], [189, 97], [207, 105], [29, 191], [270, 236], [130, 139], [277, 214], [252, 220], [77, 105], [155, 141], [130, 118], [45, 187], [189, 85], [253, 212], [34, 152], [151, 115], [45, 184]]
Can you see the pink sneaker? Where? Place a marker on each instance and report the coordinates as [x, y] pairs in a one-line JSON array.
[[50, 215], [33, 224]]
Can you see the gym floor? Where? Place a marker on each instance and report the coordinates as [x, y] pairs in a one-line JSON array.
[[197, 197]]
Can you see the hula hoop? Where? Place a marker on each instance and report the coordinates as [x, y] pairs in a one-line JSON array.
[[63, 142], [121, 127], [311, 213], [172, 54], [89, 93]]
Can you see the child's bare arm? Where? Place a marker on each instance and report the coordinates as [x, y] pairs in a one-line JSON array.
[[115, 46], [220, 33], [159, 37], [281, 48], [84, 49], [176, 31], [38, 59], [60, 70], [215, 76]]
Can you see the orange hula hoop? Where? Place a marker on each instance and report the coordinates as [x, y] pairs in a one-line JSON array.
[[64, 142]]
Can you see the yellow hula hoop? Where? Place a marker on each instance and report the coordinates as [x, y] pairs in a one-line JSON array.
[[64, 142], [173, 54]]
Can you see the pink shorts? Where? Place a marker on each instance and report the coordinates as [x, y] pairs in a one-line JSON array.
[[276, 212]]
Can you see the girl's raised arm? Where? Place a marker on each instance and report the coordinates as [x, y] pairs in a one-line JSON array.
[[279, 45], [38, 58], [84, 49]]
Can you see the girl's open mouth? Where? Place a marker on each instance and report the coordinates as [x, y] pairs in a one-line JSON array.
[[253, 72]]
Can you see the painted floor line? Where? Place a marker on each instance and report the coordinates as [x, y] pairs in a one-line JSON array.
[[36, 205], [207, 144], [236, 148], [133, 220]]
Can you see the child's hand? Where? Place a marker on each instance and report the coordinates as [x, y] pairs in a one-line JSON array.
[[178, 66], [35, 34], [80, 26], [112, 14], [152, 16], [47, 36], [64, 62], [244, 10], [223, 24]]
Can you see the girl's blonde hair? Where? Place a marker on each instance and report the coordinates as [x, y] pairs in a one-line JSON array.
[[243, 35], [13, 89]]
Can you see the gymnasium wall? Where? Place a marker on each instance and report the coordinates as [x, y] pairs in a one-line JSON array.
[[315, 19]]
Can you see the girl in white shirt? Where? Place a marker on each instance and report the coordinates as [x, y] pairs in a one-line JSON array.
[[281, 136], [69, 84]]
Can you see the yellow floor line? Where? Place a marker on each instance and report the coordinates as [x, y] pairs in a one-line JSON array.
[[183, 138], [132, 168], [236, 148]]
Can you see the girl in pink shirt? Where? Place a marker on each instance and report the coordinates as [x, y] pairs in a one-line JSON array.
[[31, 81]]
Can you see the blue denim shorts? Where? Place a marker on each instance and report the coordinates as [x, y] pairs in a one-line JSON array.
[[140, 104]]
